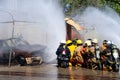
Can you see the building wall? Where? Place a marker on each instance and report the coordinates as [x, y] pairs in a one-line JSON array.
[[72, 33]]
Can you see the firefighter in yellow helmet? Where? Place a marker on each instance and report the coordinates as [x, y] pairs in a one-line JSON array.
[[79, 41], [77, 56], [69, 44]]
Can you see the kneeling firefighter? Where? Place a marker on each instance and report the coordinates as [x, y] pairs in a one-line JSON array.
[[106, 56], [110, 57], [63, 55], [96, 59], [86, 53], [71, 47], [115, 54], [77, 56], [91, 60]]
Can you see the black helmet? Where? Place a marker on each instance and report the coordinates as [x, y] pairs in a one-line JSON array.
[[89, 39], [105, 41]]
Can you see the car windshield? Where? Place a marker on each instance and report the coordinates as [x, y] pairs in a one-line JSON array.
[[8, 42], [3, 44], [16, 42]]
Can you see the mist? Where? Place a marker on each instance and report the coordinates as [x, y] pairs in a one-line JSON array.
[[36, 21], [103, 24]]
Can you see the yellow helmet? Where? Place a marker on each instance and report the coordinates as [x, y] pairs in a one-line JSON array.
[[79, 41], [68, 41]]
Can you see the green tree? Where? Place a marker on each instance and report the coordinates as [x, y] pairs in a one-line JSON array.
[[72, 5], [77, 4], [114, 4]]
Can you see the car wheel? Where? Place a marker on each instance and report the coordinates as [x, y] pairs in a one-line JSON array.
[[21, 60]]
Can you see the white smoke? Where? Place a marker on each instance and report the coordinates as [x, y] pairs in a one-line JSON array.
[[105, 22], [38, 22]]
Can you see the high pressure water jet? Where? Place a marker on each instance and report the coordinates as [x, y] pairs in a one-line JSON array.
[[105, 23], [38, 22]]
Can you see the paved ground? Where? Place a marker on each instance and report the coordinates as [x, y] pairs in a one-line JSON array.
[[51, 72]]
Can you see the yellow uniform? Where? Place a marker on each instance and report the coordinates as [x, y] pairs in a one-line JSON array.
[[72, 49]]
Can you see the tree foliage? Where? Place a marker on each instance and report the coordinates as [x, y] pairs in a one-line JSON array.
[[72, 5], [115, 4]]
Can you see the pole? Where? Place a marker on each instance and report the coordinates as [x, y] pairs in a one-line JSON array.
[[11, 49]]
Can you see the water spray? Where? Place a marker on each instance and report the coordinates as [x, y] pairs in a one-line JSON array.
[[48, 29], [106, 23]]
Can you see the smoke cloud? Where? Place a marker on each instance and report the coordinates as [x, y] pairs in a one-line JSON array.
[[37, 21]]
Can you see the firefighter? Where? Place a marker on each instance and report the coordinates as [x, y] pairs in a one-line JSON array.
[[106, 55], [74, 42], [77, 56], [69, 44], [94, 48], [95, 55], [95, 42], [104, 45], [86, 52], [59, 51], [104, 50]]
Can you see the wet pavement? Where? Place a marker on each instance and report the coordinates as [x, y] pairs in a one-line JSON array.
[[51, 72]]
